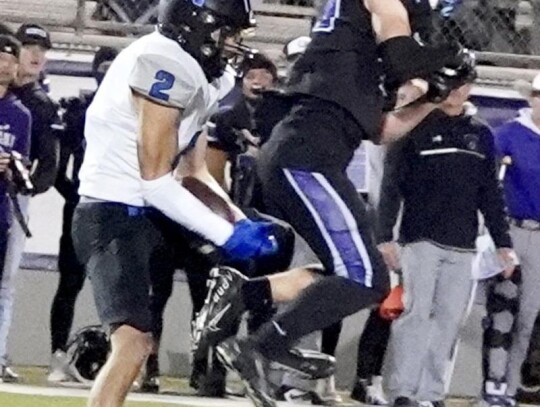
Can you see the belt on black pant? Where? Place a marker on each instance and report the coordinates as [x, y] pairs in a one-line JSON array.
[[130, 209], [529, 224]]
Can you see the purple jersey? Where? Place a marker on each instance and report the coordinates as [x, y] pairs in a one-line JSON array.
[[15, 124]]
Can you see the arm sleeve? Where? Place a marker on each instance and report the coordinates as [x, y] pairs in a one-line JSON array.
[[390, 198], [177, 203], [163, 80], [491, 198], [45, 147]]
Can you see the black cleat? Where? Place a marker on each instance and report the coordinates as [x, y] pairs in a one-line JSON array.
[[221, 313], [208, 376], [150, 384], [252, 367], [305, 364], [298, 396], [8, 375], [370, 391], [150, 379]]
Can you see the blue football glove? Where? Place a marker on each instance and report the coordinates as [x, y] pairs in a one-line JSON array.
[[250, 240]]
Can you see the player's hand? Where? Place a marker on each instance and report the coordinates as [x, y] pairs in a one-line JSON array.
[[508, 259], [409, 92], [392, 306], [5, 158], [390, 253], [253, 140], [250, 240]]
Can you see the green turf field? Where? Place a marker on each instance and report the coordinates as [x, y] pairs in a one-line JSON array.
[[17, 400]]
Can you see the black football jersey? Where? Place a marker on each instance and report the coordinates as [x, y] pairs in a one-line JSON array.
[[341, 64]]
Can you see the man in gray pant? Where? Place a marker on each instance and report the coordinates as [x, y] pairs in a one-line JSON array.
[[444, 173], [518, 145]]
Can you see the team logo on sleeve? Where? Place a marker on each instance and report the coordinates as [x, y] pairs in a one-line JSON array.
[[330, 13]]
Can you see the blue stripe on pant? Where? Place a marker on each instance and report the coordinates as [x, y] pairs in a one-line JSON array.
[[336, 224]]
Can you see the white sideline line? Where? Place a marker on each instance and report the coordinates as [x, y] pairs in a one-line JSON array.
[[154, 398]]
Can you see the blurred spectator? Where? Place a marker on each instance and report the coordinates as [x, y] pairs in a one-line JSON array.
[[43, 152], [45, 120], [233, 132], [72, 273], [443, 173], [518, 143], [15, 125]]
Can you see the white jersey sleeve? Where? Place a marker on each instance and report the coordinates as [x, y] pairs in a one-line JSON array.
[[165, 80]]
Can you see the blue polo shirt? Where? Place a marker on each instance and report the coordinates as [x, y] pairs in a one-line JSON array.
[[520, 139], [15, 125]]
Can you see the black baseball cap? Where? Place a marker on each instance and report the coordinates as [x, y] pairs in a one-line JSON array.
[[33, 34], [10, 45], [103, 54], [258, 61]]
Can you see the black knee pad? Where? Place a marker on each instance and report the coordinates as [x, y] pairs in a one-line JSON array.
[[503, 295], [502, 309]]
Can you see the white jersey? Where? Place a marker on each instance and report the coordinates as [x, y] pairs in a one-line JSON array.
[[158, 68]]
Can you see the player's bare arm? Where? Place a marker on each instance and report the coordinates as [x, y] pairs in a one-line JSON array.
[[158, 137], [389, 19], [406, 114]]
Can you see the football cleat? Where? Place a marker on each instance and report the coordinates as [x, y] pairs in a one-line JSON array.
[[242, 358], [221, 313], [305, 364]]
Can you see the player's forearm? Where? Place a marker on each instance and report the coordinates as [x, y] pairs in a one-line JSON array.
[[398, 124]]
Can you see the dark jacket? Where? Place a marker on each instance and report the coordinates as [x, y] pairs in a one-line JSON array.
[[444, 172], [72, 146], [46, 126], [228, 122]]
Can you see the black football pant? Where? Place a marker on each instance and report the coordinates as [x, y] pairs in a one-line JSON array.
[[72, 275]]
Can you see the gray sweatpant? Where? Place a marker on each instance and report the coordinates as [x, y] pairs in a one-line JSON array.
[[437, 287], [15, 248], [527, 247]]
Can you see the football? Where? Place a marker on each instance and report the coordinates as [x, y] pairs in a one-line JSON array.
[[206, 195]]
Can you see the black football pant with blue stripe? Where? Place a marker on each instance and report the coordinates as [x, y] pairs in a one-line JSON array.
[[326, 210]]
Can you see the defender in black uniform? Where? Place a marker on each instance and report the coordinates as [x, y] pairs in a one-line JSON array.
[[337, 101]]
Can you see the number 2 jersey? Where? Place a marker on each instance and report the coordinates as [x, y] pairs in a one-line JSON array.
[[157, 68], [341, 65]]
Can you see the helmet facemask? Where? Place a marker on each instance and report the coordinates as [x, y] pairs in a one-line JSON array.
[[210, 37]]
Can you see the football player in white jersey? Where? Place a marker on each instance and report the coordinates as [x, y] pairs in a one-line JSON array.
[[151, 106]]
